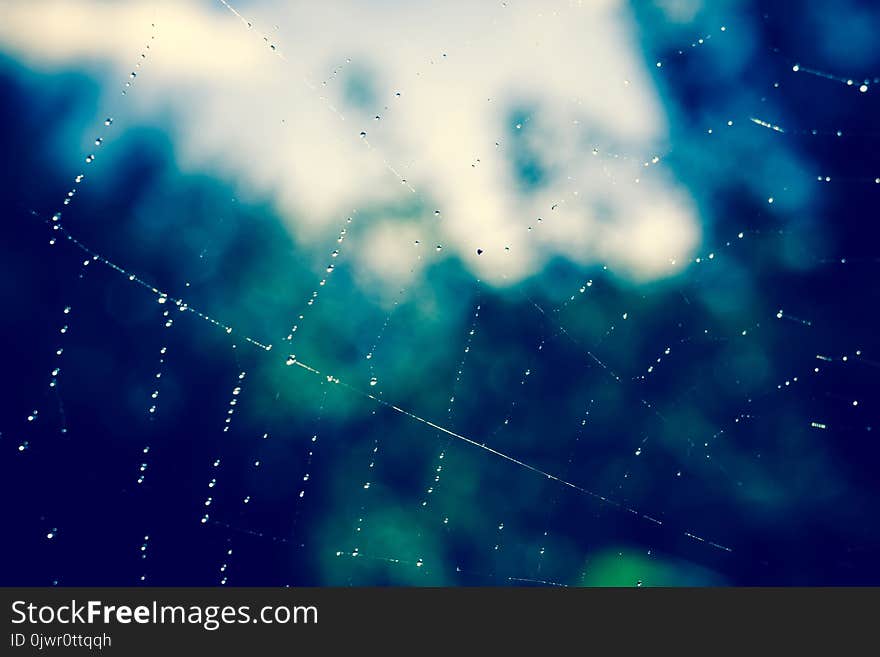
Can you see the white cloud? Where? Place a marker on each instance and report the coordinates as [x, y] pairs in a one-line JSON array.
[[266, 121]]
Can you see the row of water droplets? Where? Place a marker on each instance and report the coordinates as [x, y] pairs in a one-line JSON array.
[[67, 311]]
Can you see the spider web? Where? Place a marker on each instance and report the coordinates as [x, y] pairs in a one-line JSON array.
[[452, 432]]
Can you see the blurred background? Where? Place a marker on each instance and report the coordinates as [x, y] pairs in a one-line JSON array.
[[385, 293]]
